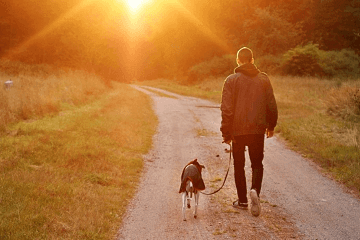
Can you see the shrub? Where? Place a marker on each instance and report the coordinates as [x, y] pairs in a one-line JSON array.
[[309, 60], [217, 66], [303, 61], [344, 63], [268, 63]]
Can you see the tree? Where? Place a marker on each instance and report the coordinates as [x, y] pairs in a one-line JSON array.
[[335, 24]]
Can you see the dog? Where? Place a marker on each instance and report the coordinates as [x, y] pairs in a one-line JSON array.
[[191, 184]]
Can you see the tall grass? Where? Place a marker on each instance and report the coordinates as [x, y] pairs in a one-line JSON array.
[[40, 89], [304, 121], [319, 118], [71, 175]]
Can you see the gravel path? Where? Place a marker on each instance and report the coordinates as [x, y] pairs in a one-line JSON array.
[[297, 201]]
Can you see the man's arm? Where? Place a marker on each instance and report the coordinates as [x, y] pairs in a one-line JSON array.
[[227, 112], [271, 112]]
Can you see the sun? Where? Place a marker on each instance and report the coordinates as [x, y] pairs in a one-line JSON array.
[[135, 4]]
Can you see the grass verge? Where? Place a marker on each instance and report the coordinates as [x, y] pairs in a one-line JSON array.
[[41, 89], [303, 121], [70, 176]]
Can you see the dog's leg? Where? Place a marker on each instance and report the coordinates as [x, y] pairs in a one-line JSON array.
[[184, 198], [196, 193], [189, 191]]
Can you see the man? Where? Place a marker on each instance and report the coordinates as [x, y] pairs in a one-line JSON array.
[[248, 110]]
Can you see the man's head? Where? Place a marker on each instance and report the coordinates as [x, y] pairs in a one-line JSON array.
[[244, 55]]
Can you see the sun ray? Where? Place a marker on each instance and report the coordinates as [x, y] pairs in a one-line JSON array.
[[204, 29], [24, 45]]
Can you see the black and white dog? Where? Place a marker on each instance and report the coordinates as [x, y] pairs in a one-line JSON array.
[[191, 183]]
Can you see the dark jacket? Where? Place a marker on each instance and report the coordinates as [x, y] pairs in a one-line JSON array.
[[192, 173], [248, 104]]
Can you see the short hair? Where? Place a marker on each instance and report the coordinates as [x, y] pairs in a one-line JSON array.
[[245, 55]]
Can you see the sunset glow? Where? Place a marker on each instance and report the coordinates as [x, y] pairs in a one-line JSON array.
[[135, 4]]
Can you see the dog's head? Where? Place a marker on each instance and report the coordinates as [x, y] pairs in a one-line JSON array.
[[198, 165]]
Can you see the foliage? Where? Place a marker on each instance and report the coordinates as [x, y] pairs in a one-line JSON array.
[[168, 38], [335, 25], [343, 63], [302, 61], [270, 33], [71, 33], [217, 66], [309, 60], [269, 63]]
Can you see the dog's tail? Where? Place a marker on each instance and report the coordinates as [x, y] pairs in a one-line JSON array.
[[190, 188], [185, 185]]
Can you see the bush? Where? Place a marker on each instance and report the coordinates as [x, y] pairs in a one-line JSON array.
[[269, 64], [217, 66], [344, 63], [303, 61], [309, 60]]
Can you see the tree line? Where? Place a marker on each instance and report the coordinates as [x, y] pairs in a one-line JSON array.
[[168, 38]]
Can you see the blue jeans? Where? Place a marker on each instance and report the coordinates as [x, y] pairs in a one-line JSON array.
[[255, 143]]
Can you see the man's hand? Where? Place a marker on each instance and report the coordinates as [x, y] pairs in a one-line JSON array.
[[228, 139], [269, 133]]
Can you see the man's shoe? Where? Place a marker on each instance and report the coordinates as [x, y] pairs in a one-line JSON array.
[[255, 203], [238, 205]]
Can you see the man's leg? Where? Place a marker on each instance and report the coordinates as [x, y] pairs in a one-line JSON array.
[[239, 171], [256, 153]]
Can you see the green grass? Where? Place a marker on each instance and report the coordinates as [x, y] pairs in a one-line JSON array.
[[303, 121], [71, 175]]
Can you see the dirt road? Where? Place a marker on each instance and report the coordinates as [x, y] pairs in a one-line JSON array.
[[297, 201]]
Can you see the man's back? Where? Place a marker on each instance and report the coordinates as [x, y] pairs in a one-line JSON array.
[[248, 103]]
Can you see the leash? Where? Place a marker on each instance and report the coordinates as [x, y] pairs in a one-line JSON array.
[[227, 172]]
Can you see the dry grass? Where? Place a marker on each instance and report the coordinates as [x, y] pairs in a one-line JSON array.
[[37, 92], [345, 101], [71, 174]]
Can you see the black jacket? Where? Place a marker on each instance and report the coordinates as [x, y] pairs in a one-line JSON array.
[[191, 173], [248, 104]]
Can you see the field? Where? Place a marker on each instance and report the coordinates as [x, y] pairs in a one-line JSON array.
[[41, 89], [70, 172], [71, 146], [318, 118]]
